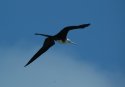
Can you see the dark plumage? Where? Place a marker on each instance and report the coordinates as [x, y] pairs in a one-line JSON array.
[[50, 40]]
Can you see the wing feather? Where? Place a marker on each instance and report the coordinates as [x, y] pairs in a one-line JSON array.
[[47, 44], [63, 33]]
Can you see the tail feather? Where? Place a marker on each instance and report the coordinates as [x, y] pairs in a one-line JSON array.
[[42, 34]]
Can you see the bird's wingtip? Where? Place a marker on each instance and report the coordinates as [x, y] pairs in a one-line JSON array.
[[26, 65], [88, 24], [85, 24]]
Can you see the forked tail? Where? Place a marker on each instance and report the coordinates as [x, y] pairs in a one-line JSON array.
[[42, 35]]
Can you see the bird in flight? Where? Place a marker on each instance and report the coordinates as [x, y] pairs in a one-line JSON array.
[[60, 37]]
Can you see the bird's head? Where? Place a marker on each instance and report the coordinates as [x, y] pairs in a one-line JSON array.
[[70, 42]]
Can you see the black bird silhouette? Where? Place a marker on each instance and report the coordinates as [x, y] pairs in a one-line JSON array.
[[61, 37]]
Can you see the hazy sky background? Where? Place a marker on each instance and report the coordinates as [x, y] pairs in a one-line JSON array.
[[97, 61]]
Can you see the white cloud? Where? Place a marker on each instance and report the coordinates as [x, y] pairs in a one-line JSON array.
[[53, 69]]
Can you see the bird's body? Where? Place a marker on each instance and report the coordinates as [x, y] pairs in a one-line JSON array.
[[60, 37], [63, 42]]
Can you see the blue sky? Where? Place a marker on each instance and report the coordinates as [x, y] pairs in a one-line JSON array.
[[97, 61]]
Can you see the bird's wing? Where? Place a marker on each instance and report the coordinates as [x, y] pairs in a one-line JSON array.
[[63, 33], [47, 44]]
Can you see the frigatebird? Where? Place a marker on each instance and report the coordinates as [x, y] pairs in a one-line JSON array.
[[60, 37]]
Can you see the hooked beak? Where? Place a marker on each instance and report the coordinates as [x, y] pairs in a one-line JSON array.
[[74, 43]]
